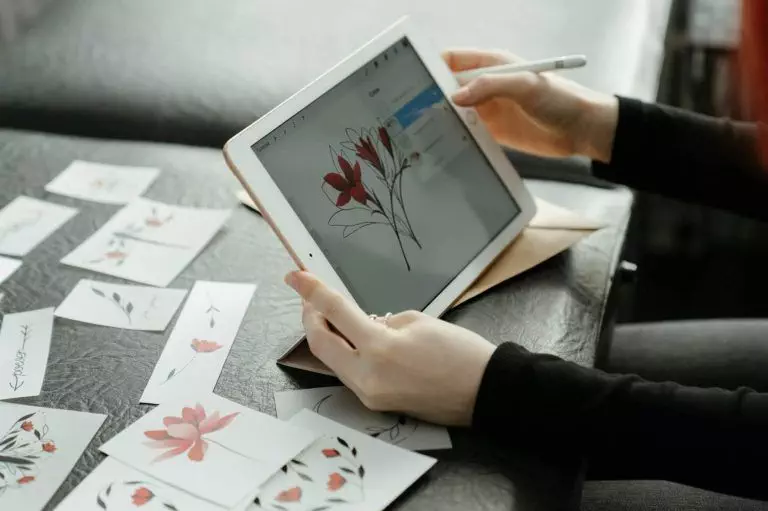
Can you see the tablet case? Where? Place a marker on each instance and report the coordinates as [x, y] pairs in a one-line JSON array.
[[551, 231]]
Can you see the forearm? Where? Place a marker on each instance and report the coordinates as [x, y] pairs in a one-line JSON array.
[[659, 426], [687, 156]]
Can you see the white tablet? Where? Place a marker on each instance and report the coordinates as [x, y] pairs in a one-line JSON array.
[[378, 184]]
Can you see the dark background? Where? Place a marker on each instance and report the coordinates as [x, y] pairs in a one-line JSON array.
[[696, 262]]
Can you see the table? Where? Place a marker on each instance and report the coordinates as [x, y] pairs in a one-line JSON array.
[[193, 71], [556, 308]]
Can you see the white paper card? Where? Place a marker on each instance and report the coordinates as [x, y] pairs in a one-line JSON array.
[[121, 306], [115, 486], [26, 222], [344, 469], [200, 342], [99, 182], [43, 445], [341, 405], [210, 447], [148, 241], [25, 339], [8, 267]]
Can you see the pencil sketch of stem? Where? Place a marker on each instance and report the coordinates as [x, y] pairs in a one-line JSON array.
[[17, 376], [211, 312], [151, 306], [115, 299], [397, 431], [12, 228]]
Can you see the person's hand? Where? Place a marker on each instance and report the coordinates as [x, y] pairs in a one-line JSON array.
[[410, 363], [543, 114]]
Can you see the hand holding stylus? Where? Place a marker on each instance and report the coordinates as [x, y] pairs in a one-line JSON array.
[[543, 114]]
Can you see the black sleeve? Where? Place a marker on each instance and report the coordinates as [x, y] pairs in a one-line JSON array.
[[712, 438], [688, 156]]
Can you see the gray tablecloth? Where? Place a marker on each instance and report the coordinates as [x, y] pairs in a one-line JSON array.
[[555, 308]]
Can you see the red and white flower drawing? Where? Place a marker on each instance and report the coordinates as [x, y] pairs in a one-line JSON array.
[[185, 433]]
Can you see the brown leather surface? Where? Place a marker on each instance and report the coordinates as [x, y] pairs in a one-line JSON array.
[[555, 308]]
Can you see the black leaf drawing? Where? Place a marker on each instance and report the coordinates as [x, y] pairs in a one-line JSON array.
[[354, 452], [100, 502], [129, 307], [108, 490], [278, 506], [361, 471], [257, 501], [7, 440], [321, 508], [170, 506], [299, 463], [116, 297], [98, 292], [117, 301], [212, 323], [284, 468], [16, 461], [171, 373], [304, 476], [347, 470], [132, 483], [37, 434], [342, 442], [24, 418], [335, 500]]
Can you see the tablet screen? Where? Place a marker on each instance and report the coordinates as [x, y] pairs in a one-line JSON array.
[[389, 182]]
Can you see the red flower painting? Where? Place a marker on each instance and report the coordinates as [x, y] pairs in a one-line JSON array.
[[25, 479], [348, 183], [27, 426], [198, 346], [374, 197], [141, 496], [336, 481], [185, 433], [49, 446], [289, 495], [331, 453]]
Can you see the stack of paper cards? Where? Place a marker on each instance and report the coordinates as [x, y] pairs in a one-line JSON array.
[[340, 404], [343, 469], [148, 241], [121, 306], [38, 448], [8, 267], [99, 182], [26, 222], [200, 342], [25, 339], [211, 447]]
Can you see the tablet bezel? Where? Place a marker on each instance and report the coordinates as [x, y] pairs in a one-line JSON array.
[[277, 211]]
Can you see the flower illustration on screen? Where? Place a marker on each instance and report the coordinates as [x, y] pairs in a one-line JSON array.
[[367, 188]]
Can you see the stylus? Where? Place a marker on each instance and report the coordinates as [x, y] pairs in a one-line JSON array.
[[538, 66]]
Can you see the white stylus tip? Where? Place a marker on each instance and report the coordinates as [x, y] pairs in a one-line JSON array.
[[575, 61]]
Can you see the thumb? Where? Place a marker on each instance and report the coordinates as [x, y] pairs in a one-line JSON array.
[[513, 86]]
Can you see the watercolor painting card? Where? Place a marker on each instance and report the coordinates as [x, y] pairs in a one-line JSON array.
[[148, 241], [25, 340], [26, 222], [211, 447], [100, 182], [343, 469], [39, 447], [341, 405], [8, 267], [114, 486], [200, 342], [121, 306]]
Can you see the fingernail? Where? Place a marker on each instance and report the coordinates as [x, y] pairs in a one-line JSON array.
[[461, 95], [292, 280]]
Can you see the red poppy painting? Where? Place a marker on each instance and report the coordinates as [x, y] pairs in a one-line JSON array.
[[366, 186], [185, 434], [199, 346]]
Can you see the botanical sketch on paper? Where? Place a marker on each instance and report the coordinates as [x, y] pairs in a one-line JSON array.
[[319, 488], [125, 306], [375, 198], [198, 346], [399, 430], [118, 248], [185, 434], [22, 449], [139, 492], [29, 219], [211, 311], [20, 360]]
